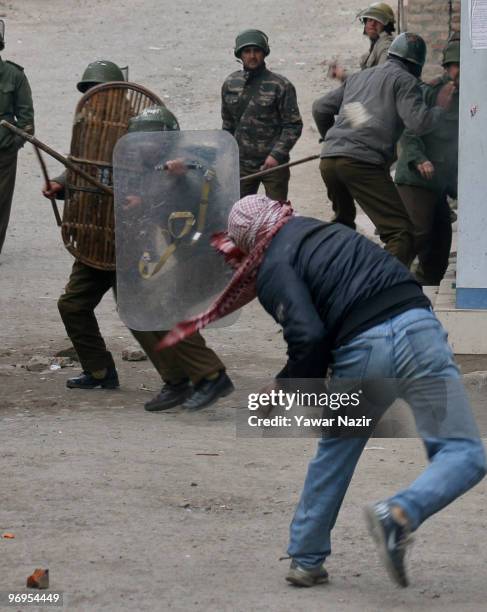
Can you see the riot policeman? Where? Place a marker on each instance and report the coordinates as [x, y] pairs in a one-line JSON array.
[[427, 173], [173, 193], [372, 108], [193, 372], [15, 107], [379, 24]]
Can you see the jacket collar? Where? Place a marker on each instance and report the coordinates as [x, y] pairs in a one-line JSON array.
[[397, 62], [249, 75], [382, 36]]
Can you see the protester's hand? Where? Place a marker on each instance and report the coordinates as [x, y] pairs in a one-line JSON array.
[[265, 411], [335, 71], [176, 167], [270, 162], [426, 169], [132, 201], [445, 95], [50, 191]]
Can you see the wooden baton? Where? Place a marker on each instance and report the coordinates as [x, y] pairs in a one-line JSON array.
[[269, 170], [46, 178], [60, 158]]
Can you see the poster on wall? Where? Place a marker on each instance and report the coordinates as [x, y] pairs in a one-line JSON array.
[[478, 23]]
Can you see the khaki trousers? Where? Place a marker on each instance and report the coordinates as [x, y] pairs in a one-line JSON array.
[[275, 184], [371, 186], [431, 218], [191, 358]]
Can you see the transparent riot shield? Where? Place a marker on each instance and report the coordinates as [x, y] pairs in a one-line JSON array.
[[173, 191]]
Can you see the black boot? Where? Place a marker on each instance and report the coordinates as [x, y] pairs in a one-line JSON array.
[[170, 396], [87, 381], [209, 391]]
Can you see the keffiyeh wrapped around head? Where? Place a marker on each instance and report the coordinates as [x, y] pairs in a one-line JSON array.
[[253, 218], [252, 223]]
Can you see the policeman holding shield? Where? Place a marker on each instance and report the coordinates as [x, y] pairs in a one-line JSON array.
[[194, 372], [155, 260]]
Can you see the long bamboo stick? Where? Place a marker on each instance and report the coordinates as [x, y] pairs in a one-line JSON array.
[[60, 158], [270, 170], [46, 178]]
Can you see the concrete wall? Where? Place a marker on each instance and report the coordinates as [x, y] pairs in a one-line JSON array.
[[472, 241]]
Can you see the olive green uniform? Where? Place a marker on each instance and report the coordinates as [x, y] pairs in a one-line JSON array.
[[378, 51], [358, 151], [260, 109], [377, 54], [426, 200], [191, 358], [16, 108]]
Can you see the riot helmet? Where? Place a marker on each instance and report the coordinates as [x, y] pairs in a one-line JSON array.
[[451, 53], [154, 119], [381, 12], [251, 38], [101, 71], [410, 48]]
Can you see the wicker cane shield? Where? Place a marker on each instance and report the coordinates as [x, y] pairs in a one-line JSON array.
[[101, 118]]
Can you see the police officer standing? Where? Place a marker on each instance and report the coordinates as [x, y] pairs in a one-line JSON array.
[[427, 172], [372, 108], [16, 108], [260, 109]]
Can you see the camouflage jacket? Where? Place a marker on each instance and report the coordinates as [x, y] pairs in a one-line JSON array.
[[378, 51], [15, 104], [260, 109]]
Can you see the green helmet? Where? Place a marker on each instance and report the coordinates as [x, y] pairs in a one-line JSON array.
[[101, 71], [451, 53], [251, 38], [154, 119], [410, 47], [380, 11]]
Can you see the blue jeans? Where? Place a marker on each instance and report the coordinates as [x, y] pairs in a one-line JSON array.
[[412, 345]]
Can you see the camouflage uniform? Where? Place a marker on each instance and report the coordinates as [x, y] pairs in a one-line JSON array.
[[260, 109], [15, 107]]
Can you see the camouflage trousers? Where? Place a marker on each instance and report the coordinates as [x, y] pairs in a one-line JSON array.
[[275, 184], [191, 358], [8, 168]]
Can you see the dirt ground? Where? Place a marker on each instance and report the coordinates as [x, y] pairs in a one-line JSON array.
[[132, 511]]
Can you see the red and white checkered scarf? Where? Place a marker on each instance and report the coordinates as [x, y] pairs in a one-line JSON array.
[[252, 223]]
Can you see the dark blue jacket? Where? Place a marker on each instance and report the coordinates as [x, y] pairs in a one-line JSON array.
[[322, 282]]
